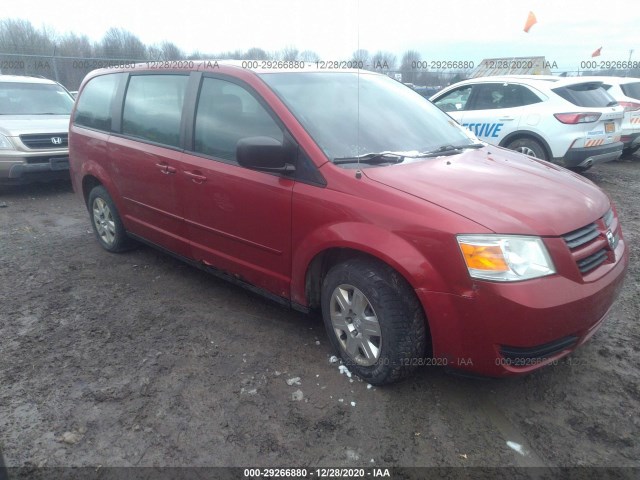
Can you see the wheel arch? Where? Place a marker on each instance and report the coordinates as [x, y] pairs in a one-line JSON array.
[[324, 260], [527, 134]]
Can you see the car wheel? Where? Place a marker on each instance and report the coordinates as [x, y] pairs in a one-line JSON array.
[[106, 222], [374, 320], [528, 146], [628, 152]]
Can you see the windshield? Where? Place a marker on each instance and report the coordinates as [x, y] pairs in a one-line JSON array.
[[350, 115], [34, 99]]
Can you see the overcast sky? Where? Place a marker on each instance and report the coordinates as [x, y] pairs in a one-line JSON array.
[[567, 32]]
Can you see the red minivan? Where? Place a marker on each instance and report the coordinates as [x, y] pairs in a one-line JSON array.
[[348, 192]]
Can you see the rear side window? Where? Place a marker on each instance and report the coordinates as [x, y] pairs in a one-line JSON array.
[[586, 95], [631, 90], [226, 113], [501, 95], [94, 105], [153, 108]]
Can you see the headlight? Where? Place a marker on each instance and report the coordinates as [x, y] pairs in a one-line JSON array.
[[505, 258], [5, 144]]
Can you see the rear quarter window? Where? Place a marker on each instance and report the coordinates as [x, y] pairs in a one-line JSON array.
[[94, 105], [631, 90], [586, 95]]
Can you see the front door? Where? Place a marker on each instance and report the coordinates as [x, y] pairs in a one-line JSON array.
[[238, 220]]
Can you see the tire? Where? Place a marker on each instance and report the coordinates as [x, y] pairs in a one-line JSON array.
[[628, 152], [106, 222], [528, 146], [374, 320]]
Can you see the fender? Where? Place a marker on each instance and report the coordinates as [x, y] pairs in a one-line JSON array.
[[388, 248], [94, 169]]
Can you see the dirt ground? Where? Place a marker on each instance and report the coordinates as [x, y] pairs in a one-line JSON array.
[[139, 360]]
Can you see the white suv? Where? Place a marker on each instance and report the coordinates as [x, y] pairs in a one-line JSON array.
[[34, 128], [570, 121], [626, 91]]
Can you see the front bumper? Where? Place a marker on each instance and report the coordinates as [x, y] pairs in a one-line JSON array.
[[586, 157], [22, 169], [502, 329]]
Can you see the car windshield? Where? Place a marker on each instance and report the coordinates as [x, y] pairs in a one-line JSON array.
[[34, 99], [351, 115]]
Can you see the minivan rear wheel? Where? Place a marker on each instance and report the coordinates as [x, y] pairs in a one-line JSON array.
[[106, 222], [528, 146], [374, 320]]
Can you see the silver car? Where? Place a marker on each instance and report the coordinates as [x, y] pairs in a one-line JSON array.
[[34, 125]]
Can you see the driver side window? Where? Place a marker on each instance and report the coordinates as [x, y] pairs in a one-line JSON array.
[[227, 113], [454, 101]]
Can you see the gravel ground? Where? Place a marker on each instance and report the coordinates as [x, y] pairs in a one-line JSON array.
[[139, 360]]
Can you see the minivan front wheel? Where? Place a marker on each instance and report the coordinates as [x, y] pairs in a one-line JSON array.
[[374, 320], [106, 222]]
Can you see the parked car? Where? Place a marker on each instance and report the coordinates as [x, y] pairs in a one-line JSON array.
[[569, 121], [626, 91], [34, 123], [347, 192]]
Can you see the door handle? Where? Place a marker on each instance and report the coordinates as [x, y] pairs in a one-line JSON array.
[[166, 169], [196, 177], [506, 119]]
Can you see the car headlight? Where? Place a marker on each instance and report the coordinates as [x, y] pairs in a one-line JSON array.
[[505, 258], [5, 144]]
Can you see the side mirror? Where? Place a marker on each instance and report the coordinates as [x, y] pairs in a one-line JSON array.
[[263, 153]]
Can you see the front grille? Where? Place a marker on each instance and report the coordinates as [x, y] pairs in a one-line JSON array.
[[592, 261], [519, 356], [581, 236], [589, 245], [46, 140]]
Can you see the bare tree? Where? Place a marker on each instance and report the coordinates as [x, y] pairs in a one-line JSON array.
[[362, 56], [122, 44], [20, 36], [170, 51], [384, 62], [309, 56], [290, 54], [410, 66], [256, 54]]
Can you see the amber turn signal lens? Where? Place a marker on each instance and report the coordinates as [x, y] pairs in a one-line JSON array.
[[483, 257]]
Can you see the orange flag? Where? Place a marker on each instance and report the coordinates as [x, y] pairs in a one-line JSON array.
[[596, 53], [531, 21]]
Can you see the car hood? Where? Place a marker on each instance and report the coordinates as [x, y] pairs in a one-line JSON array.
[[504, 191], [14, 125]]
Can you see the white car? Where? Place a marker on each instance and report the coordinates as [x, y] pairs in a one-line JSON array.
[[569, 121], [626, 91]]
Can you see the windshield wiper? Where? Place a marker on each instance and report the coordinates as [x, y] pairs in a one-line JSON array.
[[450, 149], [372, 158]]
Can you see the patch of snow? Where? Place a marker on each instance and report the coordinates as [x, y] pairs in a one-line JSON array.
[[294, 381], [352, 455], [518, 448]]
